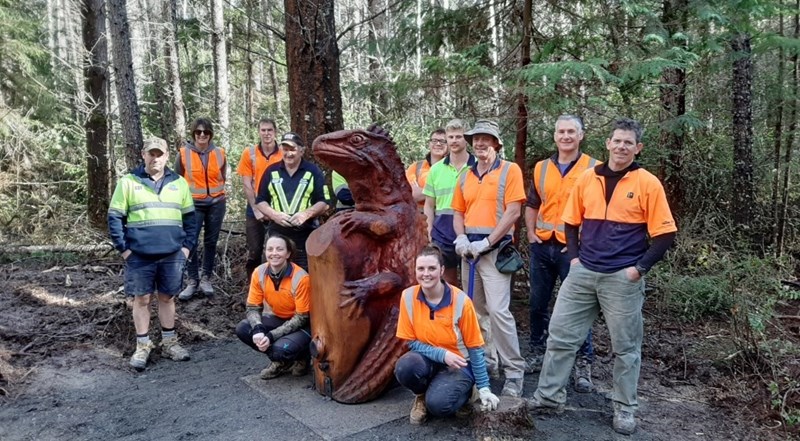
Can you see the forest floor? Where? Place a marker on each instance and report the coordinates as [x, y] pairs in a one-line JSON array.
[[66, 334]]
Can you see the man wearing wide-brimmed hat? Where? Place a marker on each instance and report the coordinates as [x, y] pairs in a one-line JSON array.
[[486, 204]]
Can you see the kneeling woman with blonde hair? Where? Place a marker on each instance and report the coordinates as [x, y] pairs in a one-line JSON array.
[[277, 311], [446, 357]]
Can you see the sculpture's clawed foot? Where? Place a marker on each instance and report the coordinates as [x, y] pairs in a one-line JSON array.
[[355, 292]]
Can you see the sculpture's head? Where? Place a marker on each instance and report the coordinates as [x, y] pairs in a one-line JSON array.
[[368, 160]]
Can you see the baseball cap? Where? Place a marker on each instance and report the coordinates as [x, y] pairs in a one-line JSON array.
[[292, 139], [155, 144]]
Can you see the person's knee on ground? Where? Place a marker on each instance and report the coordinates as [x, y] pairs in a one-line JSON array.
[[440, 405]]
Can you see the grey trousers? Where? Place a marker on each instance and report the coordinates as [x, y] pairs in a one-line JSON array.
[[492, 296], [582, 296]]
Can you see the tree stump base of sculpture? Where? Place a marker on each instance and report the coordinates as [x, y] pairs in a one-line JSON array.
[[511, 420]]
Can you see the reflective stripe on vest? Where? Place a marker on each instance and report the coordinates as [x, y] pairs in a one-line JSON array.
[[148, 208], [499, 207], [458, 310], [297, 275], [540, 223], [198, 190], [301, 195], [419, 169]]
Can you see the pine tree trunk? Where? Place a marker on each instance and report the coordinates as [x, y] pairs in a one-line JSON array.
[[153, 30], [138, 42], [178, 113], [787, 160], [312, 56], [777, 107], [273, 72], [128, 104], [742, 123], [673, 107], [221, 97], [522, 98], [375, 30], [96, 125], [250, 84]]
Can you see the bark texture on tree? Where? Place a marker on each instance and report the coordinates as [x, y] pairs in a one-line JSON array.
[[128, 104], [273, 72], [792, 130], [376, 29], [153, 29], [742, 125], [221, 97], [96, 123], [777, 112], [312, 57], [673, 107], [174, 73], [521, 140]]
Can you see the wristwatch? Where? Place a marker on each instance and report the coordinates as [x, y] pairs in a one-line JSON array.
[[641, 270]]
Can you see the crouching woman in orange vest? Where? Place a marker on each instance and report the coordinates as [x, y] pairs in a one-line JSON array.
[[278, 303], [446, 357]]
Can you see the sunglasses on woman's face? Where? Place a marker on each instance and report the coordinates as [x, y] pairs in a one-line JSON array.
[[202, 133]]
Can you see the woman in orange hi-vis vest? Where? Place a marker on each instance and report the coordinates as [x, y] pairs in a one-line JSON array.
[[205, 168], [278, 305], [446, 361]]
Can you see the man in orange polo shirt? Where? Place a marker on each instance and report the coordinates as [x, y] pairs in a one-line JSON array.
[[487, 202], [254, 162], [417, 173], [613, 209], [551, 183]]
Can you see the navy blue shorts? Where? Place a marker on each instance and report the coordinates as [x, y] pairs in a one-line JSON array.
[[147, 275]]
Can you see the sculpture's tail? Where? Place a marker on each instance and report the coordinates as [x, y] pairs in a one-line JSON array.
[[375, 370]]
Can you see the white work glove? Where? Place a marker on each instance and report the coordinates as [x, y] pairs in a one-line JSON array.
[[478, 247], [489, 401], [462, 244]]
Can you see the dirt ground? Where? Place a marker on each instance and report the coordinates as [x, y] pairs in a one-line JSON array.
[[66, 335]]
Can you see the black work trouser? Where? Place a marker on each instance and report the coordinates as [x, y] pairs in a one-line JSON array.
[[288, 348]]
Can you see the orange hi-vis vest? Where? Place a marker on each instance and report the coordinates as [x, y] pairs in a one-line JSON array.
[[204, 182], [553, 191]]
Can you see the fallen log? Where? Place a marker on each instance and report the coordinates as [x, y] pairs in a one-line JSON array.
[[64, 248]]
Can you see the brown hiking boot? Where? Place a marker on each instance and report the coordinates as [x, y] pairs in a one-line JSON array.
[[418, 411], [172, 349], [299, 368], [140, 356], [275, 369]]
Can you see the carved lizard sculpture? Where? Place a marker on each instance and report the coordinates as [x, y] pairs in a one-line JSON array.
[[360, 262]]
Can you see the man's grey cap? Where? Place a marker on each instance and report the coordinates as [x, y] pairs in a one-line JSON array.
[[155, 144]]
